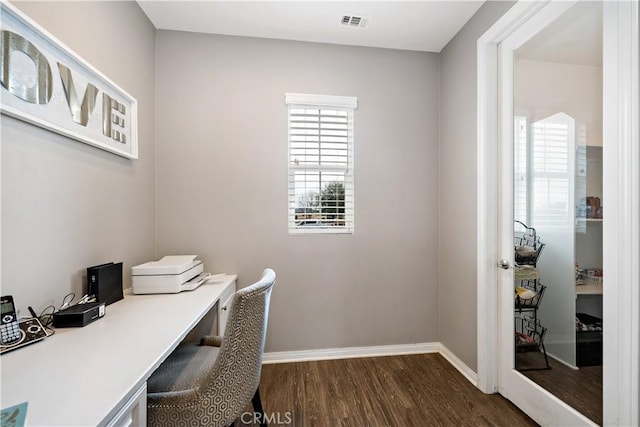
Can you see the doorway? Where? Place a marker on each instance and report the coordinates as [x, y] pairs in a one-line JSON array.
[[496, 124]]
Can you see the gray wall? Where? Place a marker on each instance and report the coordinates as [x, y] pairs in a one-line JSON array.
[[222, 183], [66, 205], [457, 193]]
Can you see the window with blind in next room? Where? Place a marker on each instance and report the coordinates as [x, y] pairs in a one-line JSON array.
[[321, 139]]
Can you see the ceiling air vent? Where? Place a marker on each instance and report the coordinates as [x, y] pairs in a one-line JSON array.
[[354, 21]]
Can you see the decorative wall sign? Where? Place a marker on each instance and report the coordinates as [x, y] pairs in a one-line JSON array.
[[46, 84]]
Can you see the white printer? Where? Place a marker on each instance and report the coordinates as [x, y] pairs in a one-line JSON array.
[[170, 275]]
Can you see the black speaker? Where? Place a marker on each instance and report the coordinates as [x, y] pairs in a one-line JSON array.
[[105, 282]]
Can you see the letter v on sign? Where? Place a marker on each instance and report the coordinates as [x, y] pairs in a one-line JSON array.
[[79, 112]]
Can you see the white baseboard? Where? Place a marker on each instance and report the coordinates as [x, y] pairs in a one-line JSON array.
[[349, 352], [462, 367], [373, 351], [557, 359]]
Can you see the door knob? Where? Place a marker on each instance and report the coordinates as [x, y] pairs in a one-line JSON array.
[[504, 264]]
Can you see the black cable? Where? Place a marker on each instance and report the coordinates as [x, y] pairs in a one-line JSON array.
[[46, 315], [33, 313], [47, 318], [66, 303]]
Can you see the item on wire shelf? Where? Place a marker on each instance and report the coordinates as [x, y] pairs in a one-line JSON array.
[[527, 245], [586, 322], [523, 339], [593, 207], [525, 250], [526, 272], [528, 294], [588, 276], [529, 333], [524, 293]]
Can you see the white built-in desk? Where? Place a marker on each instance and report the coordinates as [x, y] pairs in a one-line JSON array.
[[88, 376]]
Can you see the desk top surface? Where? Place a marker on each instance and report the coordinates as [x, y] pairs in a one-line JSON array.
[[81, 376]]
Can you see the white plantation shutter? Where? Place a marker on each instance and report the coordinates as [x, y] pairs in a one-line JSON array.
[[552, 171], [521, 171], [545, 160], [320, 163]]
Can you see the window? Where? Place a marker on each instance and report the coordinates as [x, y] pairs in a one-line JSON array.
[[544, 171], [320, 163]]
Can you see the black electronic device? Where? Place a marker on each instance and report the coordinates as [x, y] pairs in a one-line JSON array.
[[16, 334], [78, 315], [105, 282]]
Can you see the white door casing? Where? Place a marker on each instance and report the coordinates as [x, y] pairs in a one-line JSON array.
[[621, 225]]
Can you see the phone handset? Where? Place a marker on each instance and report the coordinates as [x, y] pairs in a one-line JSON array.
[[9, 329], [14, 334]]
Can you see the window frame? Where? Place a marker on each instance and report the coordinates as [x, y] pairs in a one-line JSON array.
[[320, 102]]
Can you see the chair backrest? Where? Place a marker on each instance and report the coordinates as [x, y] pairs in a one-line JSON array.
[[236, 374]]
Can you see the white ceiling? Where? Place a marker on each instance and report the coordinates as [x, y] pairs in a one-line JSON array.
[[410, 25], [574, 38]]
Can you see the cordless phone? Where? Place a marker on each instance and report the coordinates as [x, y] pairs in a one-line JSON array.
[[14, 334], [9, 329]]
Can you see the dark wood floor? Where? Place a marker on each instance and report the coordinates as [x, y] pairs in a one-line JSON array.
[[581, 389], [413, 390]]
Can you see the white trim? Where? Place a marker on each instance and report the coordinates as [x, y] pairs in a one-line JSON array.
[[457, 363], [300, 231], [345, 170], [487, 183], [557, 359], [372, 351], [324, 100], [487, 223], [349, 352], [621, 227]]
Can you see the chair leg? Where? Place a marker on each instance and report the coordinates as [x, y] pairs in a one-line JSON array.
[[257, 407]]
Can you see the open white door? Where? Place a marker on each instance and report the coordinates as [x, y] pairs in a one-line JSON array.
[[496, 331], [536, 401]]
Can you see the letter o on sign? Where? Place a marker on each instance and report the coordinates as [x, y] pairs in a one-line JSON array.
[[13, 78]]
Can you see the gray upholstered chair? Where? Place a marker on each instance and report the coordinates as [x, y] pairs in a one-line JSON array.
[[211, 384]]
